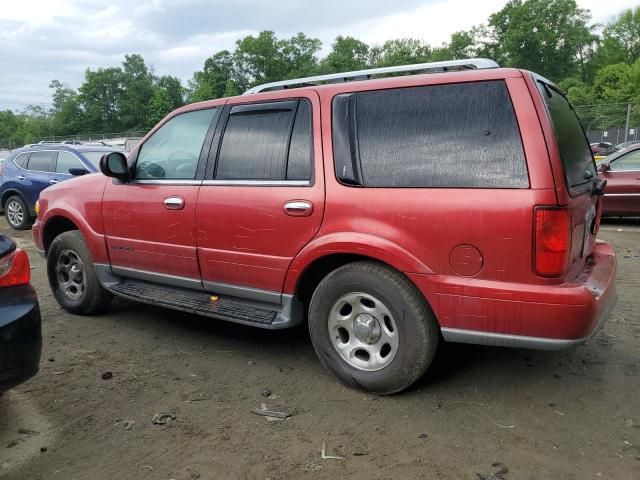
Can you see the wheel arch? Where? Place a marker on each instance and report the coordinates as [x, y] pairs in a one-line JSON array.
[[323, 256], [11, 192], [54, 227]]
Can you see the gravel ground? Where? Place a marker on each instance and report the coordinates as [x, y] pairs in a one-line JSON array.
[[480, 413]]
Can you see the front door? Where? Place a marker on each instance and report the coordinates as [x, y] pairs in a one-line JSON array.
[[622, 194], [150, 221], [262, 200]]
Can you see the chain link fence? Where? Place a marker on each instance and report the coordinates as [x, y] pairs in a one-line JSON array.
[[613, 123]]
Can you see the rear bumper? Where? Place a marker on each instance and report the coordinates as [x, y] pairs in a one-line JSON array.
[[550, 317], [20, 335]]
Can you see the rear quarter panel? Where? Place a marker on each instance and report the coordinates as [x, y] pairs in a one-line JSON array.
[[424, 225]]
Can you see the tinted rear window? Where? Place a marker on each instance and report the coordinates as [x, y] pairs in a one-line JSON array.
[[21, 160], [41, 161], [579, 167], [457, 135], [267, 142]]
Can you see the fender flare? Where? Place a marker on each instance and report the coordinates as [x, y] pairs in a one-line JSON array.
[[95, 240], [362, 244]]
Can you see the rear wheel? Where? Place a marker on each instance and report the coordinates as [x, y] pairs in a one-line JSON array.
[[17, 213], [372, 328], [72, 277]]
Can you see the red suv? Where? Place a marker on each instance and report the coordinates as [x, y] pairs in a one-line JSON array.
[[461, 204]]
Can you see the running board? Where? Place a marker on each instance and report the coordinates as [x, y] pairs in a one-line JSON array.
[[232, 309]]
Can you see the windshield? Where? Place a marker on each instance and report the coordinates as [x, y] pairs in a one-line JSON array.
[[94, 157]]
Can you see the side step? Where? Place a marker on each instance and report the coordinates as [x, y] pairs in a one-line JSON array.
[[248, 312]]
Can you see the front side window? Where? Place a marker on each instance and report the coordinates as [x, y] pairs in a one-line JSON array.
[[41, 161], [628, 162], [173, 151], [66, 161], [267, 142], [455, 135]]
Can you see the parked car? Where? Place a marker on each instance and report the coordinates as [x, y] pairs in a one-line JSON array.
[[389, 213], [31, 169], [622, 173], [20, 325]]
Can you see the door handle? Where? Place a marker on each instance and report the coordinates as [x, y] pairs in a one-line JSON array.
[[298, 208], [174, 203], [53, 181], [20, 177]]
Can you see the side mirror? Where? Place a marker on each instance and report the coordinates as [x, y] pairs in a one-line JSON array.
[[604, 167], [77, 171], [114, 165]]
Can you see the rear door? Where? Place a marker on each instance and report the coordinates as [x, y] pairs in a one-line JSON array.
[[577, 172], [38, 174], [262, 200], [622, 195]]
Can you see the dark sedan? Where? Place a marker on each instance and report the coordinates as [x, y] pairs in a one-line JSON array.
[[622, 173], [20, 325]]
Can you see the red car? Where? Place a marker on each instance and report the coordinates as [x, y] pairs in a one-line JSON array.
[[390, 213], [622, 173]]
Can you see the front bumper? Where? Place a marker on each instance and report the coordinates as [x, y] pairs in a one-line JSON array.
[[20, 335], [550, 317]]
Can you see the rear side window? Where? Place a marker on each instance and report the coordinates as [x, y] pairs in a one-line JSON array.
[[21, 160], [270, 141], [579, 167], [456, 135], [41, 161]]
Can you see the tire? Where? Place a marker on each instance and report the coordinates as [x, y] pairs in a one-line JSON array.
[[396, 305], [17, 213], [73, 278]]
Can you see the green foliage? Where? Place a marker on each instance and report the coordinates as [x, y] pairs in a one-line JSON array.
[[621, 38], [551, 37], [347, 54]]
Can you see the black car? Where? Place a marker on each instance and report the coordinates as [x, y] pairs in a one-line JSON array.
[[20, 324]]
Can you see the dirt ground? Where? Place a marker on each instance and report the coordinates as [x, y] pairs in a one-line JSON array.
[[480, 413]]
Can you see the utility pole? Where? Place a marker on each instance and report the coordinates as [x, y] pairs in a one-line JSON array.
[[626, 125]]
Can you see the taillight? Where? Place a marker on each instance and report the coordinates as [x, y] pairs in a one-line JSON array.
[[15, 269], [552, 240]]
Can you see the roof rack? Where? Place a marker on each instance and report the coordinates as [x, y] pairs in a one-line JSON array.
[[432, 67]]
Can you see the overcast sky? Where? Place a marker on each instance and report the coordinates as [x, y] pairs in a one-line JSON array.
[[41, 40]]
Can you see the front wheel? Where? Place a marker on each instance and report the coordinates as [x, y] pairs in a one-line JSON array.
[[372, 328], [72, 277]]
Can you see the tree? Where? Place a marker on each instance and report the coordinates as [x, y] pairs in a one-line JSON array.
[[347, 54], [159, 106], [174, 89], [99, 96], [212, 81], [136, 91], [621, 38], [167, 96], [266, 58], [402, 51], [550, 37], [66, 112]]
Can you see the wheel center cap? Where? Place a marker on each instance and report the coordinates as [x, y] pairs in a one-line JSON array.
[[367, 328]]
